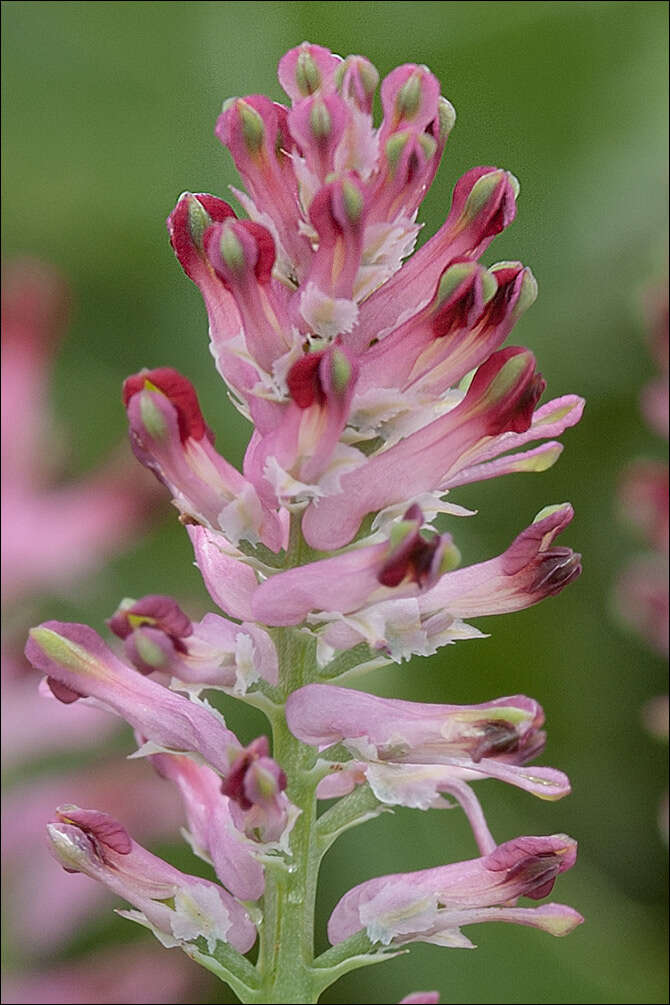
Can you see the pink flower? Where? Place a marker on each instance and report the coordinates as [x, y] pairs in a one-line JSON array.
[[432, 905], [179, 908], [412, 753], [214, 833], [215, 652], [78, 664], [52, 534]]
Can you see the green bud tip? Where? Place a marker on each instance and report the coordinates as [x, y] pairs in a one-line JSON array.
[[446, 114], [353, 201], [528, 292], [400, 531], [481, 193], [489, 286], [452, 278], [451, 558], [137, 620], [319, 120], [232, 251], [149, 652], [548, 511], [65, 652], [340, 371], [265, 781], [70, 854], [198, 220], [394, 148], [253, 130], [152, 417], [307, 75], [507, 377], [369, 76], [428, 144], [408, 97]]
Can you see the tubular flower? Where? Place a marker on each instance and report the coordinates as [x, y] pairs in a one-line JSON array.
[[375, 387], [432, 905], [177, 907]]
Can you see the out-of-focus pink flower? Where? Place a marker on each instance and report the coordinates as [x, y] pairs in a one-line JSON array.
[[421, 998], [46, 904], [52, 533], [641, 595], [131, 976]]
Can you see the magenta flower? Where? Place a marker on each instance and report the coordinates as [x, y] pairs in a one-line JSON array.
[[374, 389]]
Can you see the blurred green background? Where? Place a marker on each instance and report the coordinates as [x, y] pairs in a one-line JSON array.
[[109, 110]]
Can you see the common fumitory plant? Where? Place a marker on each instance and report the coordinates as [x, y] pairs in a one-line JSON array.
[[374, 388]]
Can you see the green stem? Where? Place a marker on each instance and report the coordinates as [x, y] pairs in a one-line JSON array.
[[286, 971]]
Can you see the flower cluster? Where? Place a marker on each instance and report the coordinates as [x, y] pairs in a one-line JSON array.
[[375, 386]]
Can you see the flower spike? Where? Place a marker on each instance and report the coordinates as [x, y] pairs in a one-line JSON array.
[[376, 383]]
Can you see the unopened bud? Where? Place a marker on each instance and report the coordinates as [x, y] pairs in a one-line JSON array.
[[152, 417], [446, 116], [198, 219], [340, 371], [408, 99], [65, 652], [307, 75], [451, 556], [253, 129], [232, 251], [352, 199], [428, 144], [394, 148], [320, 121]]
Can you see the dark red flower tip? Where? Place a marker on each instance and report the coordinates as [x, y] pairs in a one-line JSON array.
[[414, 556], [102, 827], [62, 692], [509, 286], [266, 250], [257, 246], [155, 611], [304, 381], [186, 225], [233, 785], [528, 399], [461, 310], [180, 393], [555, 569], [495, 738]]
